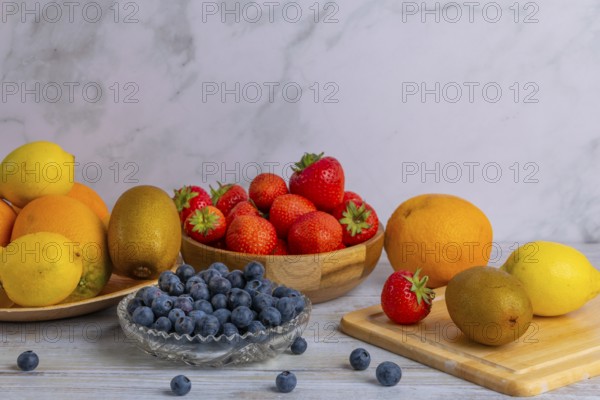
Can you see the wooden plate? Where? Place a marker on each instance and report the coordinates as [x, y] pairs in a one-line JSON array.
[[116, 288]]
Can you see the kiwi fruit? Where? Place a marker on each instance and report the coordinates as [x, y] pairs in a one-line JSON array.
[[488, 305]]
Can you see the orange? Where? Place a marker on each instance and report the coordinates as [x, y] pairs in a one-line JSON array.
[[74, 220], [90, 198], [7, 220], [441, 234]]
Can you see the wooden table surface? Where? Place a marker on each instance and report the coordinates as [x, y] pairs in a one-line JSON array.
[[89, 357]]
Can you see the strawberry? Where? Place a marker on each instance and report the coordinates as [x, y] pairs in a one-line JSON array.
[[348, 195], [265, 188], [359, 221], [321, 180], [189, 199], [286, 209], [242, 208], [206, 225], [405, 297], [251, 234], [315, 232], [280, 248], [225, 197]]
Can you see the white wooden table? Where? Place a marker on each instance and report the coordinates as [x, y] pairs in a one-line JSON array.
[[89, 357]]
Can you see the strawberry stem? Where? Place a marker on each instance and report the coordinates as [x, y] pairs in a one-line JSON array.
[[419, 287], [355, 219], [203, 221], [183, 196], [306, 160], [216, 194]]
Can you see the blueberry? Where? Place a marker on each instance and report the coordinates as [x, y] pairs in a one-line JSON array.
[[162, 305], [286, 308], [162, 324], [203, 305], [208, 274], [360, 359], [241, 317], [185, 271], [219, 285], [165, 278], [220, 268], [299, 346], [219, 301], [176, 288], [253, 287], [193, 281], [236, 278], [388, 373], [270, 316], [258, 329], [133, 304], [254, 270], [185, 303], [184, 325], [230, 329], [286, 381], [299, 303], [200, 292], [262, 301], [143, 316], [181, 385], [266, 287], [175, 314], [238, 297], [207, 326], [27, 361], [150, 294], [281, 291], [223, 315]]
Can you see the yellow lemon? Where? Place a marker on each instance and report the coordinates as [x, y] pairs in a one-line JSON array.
[[36, 169], [558, 278], [40, 269]]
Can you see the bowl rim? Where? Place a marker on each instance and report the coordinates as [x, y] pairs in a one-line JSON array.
[[378, 236]]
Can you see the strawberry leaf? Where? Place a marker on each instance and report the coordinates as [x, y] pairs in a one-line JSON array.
[[355, 219], [419, 287], [306, 160]]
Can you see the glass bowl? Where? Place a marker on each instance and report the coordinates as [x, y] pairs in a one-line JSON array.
[[211, 351]]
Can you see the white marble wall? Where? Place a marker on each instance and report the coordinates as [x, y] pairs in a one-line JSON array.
[[158, 121]]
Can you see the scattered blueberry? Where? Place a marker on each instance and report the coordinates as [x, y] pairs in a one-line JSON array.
[[388, 373], [207, 326], [184, 325], [162, 324], [203, 305], [230, 329], [181, 385], [286, 308], [162, 305], [238, 297], [220, 268], [143, 316], [200, 292], [219, 285], [299, 346], [286, 381], [360, 359], [219, 300], [223, 315], [237, 279], [241, 317], [175, 314], [254, 270], [270, 316], [185, 303], [185, 272], [27, 361]]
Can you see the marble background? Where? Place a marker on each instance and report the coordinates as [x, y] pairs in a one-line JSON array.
[[498, 105]]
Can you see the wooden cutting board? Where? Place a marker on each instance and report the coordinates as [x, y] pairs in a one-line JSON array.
[[554, 352]]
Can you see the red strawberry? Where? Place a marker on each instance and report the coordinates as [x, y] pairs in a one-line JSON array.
[[315, 232], [348, 195], [265, 188], [225, 197], [405, 297], [286, 209], [242, 208], [359, 221], [189, 199], [251, 234], [206, 225], [280, 248], [321, 180]]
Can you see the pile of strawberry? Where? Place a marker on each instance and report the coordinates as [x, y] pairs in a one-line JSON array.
[[315, 215]]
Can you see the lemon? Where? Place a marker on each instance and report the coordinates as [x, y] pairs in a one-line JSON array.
[[40, 269], [34, 170], [558, 278]]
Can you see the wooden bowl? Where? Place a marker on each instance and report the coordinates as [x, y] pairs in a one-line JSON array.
[[322, 277]]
